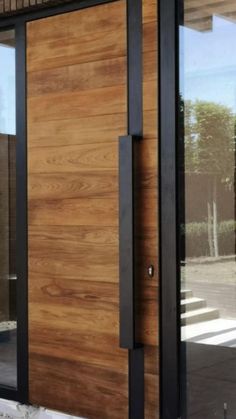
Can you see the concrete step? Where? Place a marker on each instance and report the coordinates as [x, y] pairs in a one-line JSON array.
[[186, 294], [192, 303], [199, 315]]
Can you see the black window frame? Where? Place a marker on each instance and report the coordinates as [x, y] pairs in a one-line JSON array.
[[169, 11], [20, 393]]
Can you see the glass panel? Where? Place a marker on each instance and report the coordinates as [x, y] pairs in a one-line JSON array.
[[207, 208], [7, 211]]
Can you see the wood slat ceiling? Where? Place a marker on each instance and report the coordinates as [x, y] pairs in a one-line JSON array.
[[198, 13], [8, 7]]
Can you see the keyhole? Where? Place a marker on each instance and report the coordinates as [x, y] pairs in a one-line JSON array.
[[151, 271]]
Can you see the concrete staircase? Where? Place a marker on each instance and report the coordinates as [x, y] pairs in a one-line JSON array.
[[195, 310]]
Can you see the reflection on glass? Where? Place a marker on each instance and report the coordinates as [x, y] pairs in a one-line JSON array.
[[7, 211], [208, 209]]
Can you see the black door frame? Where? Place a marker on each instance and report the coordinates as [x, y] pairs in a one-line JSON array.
[[168, 221], [135, 128], [21, 391]]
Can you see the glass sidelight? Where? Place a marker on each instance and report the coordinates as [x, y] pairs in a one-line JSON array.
[[8, 320], [207, 199]]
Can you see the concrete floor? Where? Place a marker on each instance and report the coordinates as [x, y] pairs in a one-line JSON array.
[[209, 348], [211, 381]]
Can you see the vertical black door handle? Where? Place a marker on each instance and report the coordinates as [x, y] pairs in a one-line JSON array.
[[126, 242]]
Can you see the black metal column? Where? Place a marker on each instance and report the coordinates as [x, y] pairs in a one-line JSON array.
[[168, 183], [21, 216], [135, 128]]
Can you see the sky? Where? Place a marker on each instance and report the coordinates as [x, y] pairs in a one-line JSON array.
[[7, 90], [208, 63]]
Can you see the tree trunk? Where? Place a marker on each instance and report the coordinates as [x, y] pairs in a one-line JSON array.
[[209, 229], [215, 223]]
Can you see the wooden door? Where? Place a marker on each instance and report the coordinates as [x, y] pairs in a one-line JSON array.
[[77, 108]]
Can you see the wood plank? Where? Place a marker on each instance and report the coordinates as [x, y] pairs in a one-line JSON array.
[[83, 76], [87, 130], [64, 52], [75, 158], [97, 321], [149, 99], [107, 388], [149, 11], [76, 212], [74, 185], [107, 353], [108, 17], [149, 36], [78, 104], [74, 253]]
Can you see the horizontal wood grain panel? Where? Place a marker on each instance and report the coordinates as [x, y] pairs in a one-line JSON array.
[[149, 11], [64, 52], [75, 212], [87, 130], [149, 99], [107, 354], [150, 65], [103, 322], [74, 185], [100, 264], [108, 17], [72, 254], [101, 270], [75, 158], [81, 77], [150, 124], [72, 235], [77, 104], [149, 37], [108, 389], [75, 292]]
